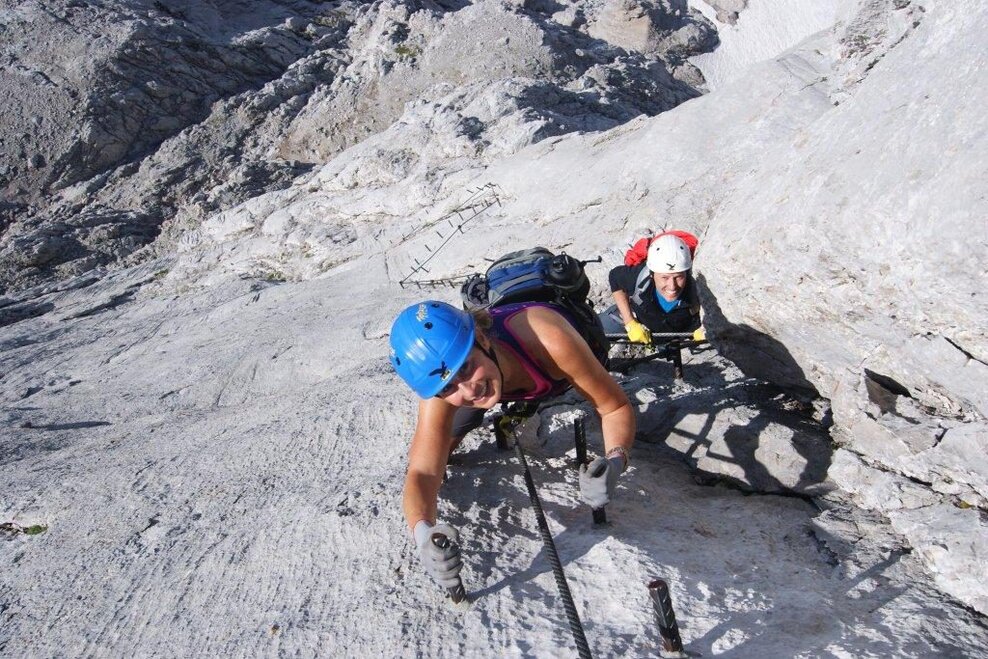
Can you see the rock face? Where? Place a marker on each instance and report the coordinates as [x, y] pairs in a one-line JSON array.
[[733, 428], [728, 10], [866, 261], [100, 84], [129, 119], [92, 91], [838, 191], [646, 26]]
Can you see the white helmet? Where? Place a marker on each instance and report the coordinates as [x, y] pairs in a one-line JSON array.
[[668, 254]]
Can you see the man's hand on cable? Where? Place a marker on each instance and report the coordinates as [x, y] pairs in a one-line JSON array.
[[596, 490], [442, 564], [638, 333]]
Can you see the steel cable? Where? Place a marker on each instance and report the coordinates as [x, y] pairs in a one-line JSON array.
[[576, 627]]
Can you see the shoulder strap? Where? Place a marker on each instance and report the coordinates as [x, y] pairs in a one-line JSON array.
[[641, 285]]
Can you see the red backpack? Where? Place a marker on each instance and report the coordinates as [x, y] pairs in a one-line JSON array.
[[639, 251]]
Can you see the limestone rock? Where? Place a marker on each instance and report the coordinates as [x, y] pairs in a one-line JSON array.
[[953, 542], [731, 427], [646, 26], [838, 190], [170, 114], [728, 10], [847, 301], [957, 465], [875, 489]]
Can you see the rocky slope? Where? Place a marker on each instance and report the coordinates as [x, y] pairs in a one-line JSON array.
[[124, 118], [798, 290], [862, 273], [838, 190]]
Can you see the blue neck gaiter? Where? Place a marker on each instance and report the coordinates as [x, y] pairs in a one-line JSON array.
[[665, 304]]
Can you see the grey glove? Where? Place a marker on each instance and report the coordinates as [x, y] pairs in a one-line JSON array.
[[442, 564], [596, 490]]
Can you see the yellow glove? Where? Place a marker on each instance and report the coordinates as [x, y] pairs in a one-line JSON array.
[[700, 335], [638, 333]]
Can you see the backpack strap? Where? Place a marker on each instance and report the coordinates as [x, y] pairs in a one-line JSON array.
[[641, 285]]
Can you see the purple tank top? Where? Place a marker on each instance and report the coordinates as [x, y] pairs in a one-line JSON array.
[[545, 386]]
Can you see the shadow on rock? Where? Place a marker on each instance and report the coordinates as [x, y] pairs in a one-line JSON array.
[[753, 558], [739, 431], [754, 352], [759, 436], [15, 313], [76, 425]]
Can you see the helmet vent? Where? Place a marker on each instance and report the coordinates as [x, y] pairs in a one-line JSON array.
[[398, 361], [428, 325]]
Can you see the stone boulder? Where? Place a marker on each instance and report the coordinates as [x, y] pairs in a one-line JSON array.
[[653, 25], [728, 10]]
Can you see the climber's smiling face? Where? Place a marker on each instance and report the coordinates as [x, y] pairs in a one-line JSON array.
[[670, 285], [476, 384]]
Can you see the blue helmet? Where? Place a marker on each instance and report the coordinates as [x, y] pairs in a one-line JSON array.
[[429, 343]]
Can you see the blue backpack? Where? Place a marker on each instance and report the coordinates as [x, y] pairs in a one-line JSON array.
[[538, 275]]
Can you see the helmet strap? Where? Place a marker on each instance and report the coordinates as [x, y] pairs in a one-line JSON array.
[[491, 356]]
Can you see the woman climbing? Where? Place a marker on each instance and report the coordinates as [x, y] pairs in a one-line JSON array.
[[462, 364]]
